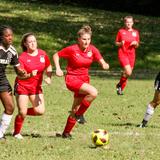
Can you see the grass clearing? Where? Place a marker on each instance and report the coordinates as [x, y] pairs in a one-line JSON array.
[[117, 114]]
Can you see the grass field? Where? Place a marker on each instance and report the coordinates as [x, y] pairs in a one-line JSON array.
[[117, 114], [56, 27]]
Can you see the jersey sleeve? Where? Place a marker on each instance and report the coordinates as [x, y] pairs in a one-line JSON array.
[[138, 37], [118, 37], [64, 53], [14, 60], [47, 61], [96, 54]]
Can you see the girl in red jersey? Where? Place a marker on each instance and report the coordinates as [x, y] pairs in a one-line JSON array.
[[79, 57], [127, 41], [35, 62]]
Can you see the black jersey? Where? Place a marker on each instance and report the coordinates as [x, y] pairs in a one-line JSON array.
[[157, 82], [7, 56]]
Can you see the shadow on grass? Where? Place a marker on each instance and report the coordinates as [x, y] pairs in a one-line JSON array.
[[62, 28]]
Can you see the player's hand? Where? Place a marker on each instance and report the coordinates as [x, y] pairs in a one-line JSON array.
[[47, 80], [122, 42], [34, 73], [59, 73], [105, 66], [134, 43]]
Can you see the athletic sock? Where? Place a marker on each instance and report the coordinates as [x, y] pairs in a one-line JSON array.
[[123, 82], [18, 124], [83, 107], [69, 125], [149, 113], [4, 124], [31, 112]]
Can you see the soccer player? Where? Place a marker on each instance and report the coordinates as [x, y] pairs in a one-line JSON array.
[[153, 104], [29, 88], [8, 55], [79, 57], [127, 40]]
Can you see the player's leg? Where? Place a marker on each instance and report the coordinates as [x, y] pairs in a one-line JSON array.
[[22, 104], [90, 93], [38, 107], [153, 104], [127, 62], [71, 121], [7, 101], [150, 109]]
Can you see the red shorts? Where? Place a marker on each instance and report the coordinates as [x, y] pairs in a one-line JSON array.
[[27, 90], [74, 83], [126, 59]]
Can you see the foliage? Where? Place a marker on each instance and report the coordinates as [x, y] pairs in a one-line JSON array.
[[56, 27]]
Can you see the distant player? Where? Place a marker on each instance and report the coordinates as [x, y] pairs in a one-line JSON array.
[[8, 55], [127, 41], [79, 57], [153, 104], [35, 61]]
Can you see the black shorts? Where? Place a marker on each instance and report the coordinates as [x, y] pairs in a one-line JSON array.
[[5, 86], [157, 82]]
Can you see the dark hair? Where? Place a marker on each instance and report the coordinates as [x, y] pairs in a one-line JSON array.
[[24, 39], [2, 29], [84, 29]]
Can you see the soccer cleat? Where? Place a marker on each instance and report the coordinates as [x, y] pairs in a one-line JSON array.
[[67, 135], [80, 119], [18, 136], [143, 124], [119, 90]]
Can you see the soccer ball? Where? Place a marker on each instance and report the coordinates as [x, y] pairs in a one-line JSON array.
[[100, 137]]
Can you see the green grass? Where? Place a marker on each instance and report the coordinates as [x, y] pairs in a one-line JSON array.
[[117, 114], [56, 27]]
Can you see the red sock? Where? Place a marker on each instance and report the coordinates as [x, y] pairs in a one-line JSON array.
[[18, 124], [69, 125], [83, 107], [123, 82], [31, 112]]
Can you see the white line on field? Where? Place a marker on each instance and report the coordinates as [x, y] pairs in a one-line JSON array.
[[133, 133]]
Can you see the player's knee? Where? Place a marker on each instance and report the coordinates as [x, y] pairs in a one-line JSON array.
[[9, 109], [39, 111], [128, 73], [94, 93]]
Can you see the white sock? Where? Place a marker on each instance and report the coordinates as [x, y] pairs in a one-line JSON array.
[[149, 113], [4, 124]]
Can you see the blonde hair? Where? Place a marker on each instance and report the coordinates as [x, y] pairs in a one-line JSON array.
[[127, 17], [84, 29]]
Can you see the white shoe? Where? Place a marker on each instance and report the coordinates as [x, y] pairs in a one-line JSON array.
[[18, 136]]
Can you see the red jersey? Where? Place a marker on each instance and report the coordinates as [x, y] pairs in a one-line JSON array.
[[39, 62], [127, 37], [79, 61]]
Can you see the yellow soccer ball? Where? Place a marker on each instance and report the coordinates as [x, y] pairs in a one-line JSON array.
[[100, 137]]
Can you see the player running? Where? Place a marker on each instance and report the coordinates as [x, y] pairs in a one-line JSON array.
[[79, 57], [127, 40], [153, 104], [35, 61], [8, 55]]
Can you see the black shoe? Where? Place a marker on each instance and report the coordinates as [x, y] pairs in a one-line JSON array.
[[119, 90], [80, 119], [67, 135], [143, 124]]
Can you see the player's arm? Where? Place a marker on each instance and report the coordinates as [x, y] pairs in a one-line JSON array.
[[59, 71], [104, 64], [49, 74], [119, 44]]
